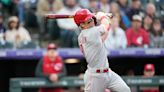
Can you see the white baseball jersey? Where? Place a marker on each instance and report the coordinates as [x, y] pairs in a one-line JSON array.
[[93, 48]]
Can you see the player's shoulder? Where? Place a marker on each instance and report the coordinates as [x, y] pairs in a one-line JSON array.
[[96, 29], [80, 35], [99, 27]]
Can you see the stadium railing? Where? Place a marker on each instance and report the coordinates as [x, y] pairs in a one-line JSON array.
[[75, 53], [16, 84]]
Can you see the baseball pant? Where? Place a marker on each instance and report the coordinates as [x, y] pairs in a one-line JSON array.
[[98, 82]]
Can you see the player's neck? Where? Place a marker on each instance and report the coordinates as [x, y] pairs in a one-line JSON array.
[[87, 27]]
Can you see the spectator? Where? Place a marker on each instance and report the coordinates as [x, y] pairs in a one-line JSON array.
[[1, 7], [150, 10], [20, 9], [68, 27], [160, 10], [8, 7], [115, 9], [45, 7], [131, 73], [124, 21], [16, 34], [93, 6], [123, 5], [136, 36], [3, 43], [149, 71], [135, 9], [51, 67], [116, 35], [147, 22], [156, 35], [104, 6], [84, 4], [2, 29]]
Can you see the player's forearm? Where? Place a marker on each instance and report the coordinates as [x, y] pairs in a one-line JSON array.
[[104, 36], [105, 22]]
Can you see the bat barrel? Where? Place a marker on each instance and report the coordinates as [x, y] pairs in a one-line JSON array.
[[55, 16]]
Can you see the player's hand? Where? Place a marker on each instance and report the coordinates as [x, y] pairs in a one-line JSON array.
[[99, 15], [109, 15], [53, 77]]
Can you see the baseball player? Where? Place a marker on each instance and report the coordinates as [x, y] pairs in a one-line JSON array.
[[98, 76]]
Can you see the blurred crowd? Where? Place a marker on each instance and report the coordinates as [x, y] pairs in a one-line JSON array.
[[136, 23]]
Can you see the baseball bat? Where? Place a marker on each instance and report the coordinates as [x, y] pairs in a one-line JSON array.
[[60, 16]]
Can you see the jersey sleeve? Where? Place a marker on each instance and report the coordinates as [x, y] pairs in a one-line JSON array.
[[80, 44], [100, 29]]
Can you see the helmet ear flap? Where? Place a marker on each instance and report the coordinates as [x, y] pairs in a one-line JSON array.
[[95, 20]]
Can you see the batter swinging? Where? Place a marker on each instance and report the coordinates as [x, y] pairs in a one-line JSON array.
[[98, 76]]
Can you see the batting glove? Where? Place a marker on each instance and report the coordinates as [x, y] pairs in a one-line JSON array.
[[99, 15]]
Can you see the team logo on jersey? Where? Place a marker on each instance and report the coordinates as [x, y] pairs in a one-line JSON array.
[[139, 40]]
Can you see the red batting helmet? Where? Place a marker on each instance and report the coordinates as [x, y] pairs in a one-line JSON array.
[[51, 46], [149, 67], [82, 15]]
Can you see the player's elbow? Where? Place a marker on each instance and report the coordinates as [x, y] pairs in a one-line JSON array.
[[106, 27], [104, 36]]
